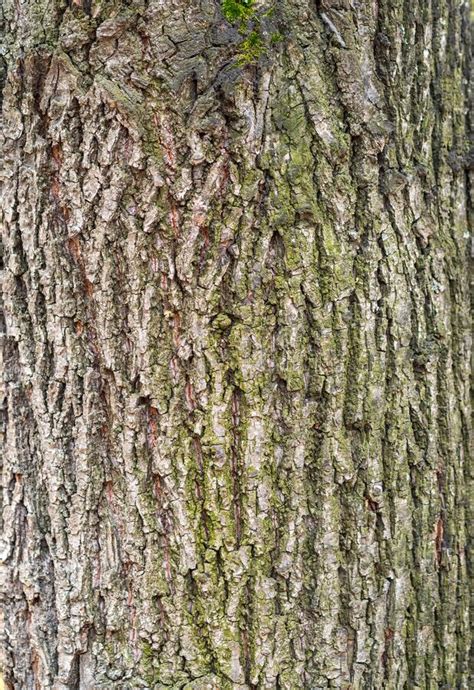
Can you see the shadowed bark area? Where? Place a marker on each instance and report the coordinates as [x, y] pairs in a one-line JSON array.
[[236, 352]]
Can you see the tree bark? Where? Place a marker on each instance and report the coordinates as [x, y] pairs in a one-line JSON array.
[[236, 353]]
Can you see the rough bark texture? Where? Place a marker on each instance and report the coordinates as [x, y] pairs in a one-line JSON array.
[[237, 335]]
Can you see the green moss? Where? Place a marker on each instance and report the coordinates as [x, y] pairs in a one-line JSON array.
[[237, 10], [251, 48], [250, 24]]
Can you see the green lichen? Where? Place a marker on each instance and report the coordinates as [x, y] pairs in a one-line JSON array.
[[222, 321]]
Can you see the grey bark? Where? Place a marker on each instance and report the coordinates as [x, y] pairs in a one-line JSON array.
[[236, 346]]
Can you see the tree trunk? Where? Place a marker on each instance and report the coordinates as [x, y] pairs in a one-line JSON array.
[[236, 412]]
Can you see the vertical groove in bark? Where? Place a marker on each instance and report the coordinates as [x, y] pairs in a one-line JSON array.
[[236, 412]]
